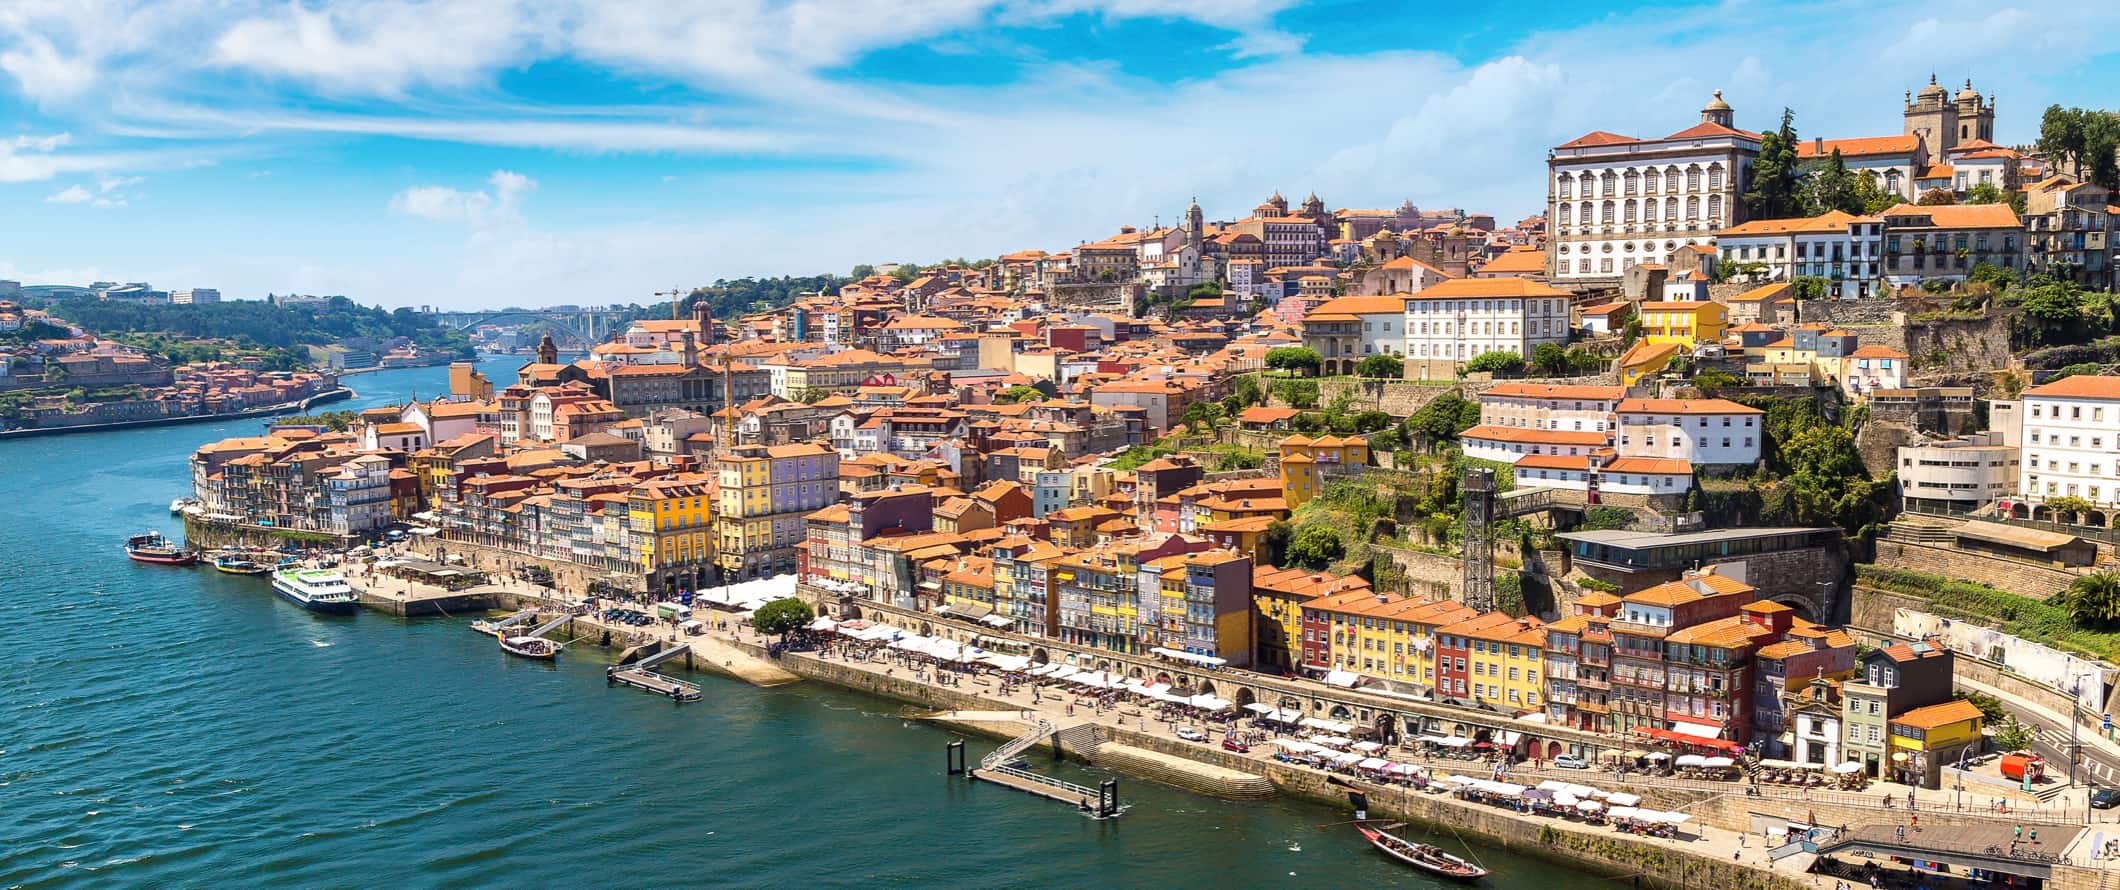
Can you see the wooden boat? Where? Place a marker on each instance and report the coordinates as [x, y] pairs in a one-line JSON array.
[[1422, 856], [233, 564], [154, 548], [530, 647]]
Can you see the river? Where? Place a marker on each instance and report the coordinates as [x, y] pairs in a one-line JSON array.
[[181, 727]]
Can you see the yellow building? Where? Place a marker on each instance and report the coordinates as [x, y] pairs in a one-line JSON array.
[[670, 523], [764, 493], [1645, 359], [1924, 739], [1307, 464], [969, 587], [1684, 322]]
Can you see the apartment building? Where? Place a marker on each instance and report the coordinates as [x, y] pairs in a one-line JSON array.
[[1454, 320], [2071, 436]]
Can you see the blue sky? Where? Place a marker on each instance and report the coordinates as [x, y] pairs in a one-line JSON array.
[[484, 152]]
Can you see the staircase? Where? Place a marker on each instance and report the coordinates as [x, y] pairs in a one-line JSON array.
[[1082, 739], [1017, 745], [1906, 532]]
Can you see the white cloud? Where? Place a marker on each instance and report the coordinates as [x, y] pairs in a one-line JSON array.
[[73, 194], [498, 205], [108, 183]]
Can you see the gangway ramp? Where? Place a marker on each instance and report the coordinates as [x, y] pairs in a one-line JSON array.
[[642, 675]]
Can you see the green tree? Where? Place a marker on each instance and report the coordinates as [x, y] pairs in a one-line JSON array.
[[2085, 139], [1809, 287], [2069, 508], [1021, 392], [2093, 601], [1294, 358], [1499, 362], [1985, 193], [2011, 735], [1549, 359], [1314, 547], [1871, 194], [1773, 192], [1382, 365], [782, 617], [1203, 413], [2056, 305], [811, 395], [1246, 390], [1829, 186], [1302, 394], [1442, 419], [862, 270], [1991, 275], [1713, 380]]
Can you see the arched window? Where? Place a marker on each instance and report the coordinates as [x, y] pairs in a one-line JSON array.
[[1567, 185], [1649, 209], [1692, 179], [1692, 209], [1589, 186], [1715, 177], [1634, 182], [1671, 208], [1565, 215], [1610, 183], [1671, 179], [1630, 211]]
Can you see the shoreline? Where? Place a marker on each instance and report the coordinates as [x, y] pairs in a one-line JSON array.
[[338, 394]]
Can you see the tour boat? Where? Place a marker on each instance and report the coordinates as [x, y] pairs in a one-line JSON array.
[[177, 506], [154, 548], [529, 647], [1425, 857], [236, 564], [318, 590]]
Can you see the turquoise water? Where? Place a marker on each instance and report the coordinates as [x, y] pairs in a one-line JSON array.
[[179, 727]]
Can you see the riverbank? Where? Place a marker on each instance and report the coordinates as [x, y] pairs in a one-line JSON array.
[[338, 394]]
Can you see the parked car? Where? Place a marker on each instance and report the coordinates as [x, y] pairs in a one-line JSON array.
[[1571, 761], [1190, 734], [2105, 798], [1230, 744]]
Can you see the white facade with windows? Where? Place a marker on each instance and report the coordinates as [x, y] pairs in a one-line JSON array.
[[1545, 406], [2072, 440], [1699, 431], [1847, 251], [1457, 319], [1957, 474], [1614, 202]]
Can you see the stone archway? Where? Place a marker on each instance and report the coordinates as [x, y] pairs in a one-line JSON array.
[[1104, 664], [1135, 672], [1163, 678], [1244, 697], [1553, 750], [1457, 729], [1206, 688], [926, 630], [849, 612], [2095, 519], [2042, 513], [1387, 729], [1805, 608], [1340, 712], [1040, 656]]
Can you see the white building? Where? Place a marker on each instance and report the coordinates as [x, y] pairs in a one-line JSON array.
[[195, 296], [1614, 202], [1345, 330], [1846, 250], [1509, 444], [1546, 406], [1454, 320], [1700, 431], [1959, 475], [1892, 161], [358, 492], [1620, 475], [2072, 440]]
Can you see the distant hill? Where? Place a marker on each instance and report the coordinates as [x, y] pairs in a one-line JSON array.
[[254, 324]]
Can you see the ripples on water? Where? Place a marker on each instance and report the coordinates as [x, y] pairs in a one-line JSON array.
[[171, 726]]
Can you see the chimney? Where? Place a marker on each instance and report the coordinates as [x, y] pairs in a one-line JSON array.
[[1818, 144]]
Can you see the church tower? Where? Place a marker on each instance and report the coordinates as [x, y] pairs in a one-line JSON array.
[[547, 351], [1718, 112], [1932, 117], [1195, 225], [1976, 118]]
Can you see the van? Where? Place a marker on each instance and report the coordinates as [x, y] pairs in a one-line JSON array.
[[673, 611], [692, 628]]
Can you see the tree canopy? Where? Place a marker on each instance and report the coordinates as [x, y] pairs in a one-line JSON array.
[[255, 324], [1774, 190], [2093, 601], [782, 616], [1383, 365], [1021, 392], [1501, 363], [1314, 547], [1294, 358], [2086, 139]]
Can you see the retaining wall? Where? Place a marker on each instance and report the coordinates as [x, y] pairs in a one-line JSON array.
[[2023, 579]]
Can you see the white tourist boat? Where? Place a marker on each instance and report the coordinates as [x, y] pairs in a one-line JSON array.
[[318, 590]]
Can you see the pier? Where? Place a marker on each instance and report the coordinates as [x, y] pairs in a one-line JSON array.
[[1103, 802], [642, 675]]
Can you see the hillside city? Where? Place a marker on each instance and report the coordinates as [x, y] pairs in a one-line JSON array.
[[1795, 450]]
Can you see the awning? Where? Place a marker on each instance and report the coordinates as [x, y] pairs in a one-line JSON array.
[[995, 620], [1691, 760], [1374, 763], [1345, 679], [974, 611], [1367, 747], [1852, 766], [1622, 799], [1194, 657], [1696, 730], [1259, 708]]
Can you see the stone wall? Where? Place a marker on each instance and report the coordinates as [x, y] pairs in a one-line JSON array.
[[1843, 313], [1398, 398], [1877, 445], [1093, 294], [1871, 609], [1427, 574], [2016, 577]]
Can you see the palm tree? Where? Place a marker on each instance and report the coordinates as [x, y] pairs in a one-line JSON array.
[[2094, 600]]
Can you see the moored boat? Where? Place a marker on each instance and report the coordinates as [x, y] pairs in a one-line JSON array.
[[177, 506], [529, 647], [318, 590], [235, 564], [154, 548], [1425, 857]]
